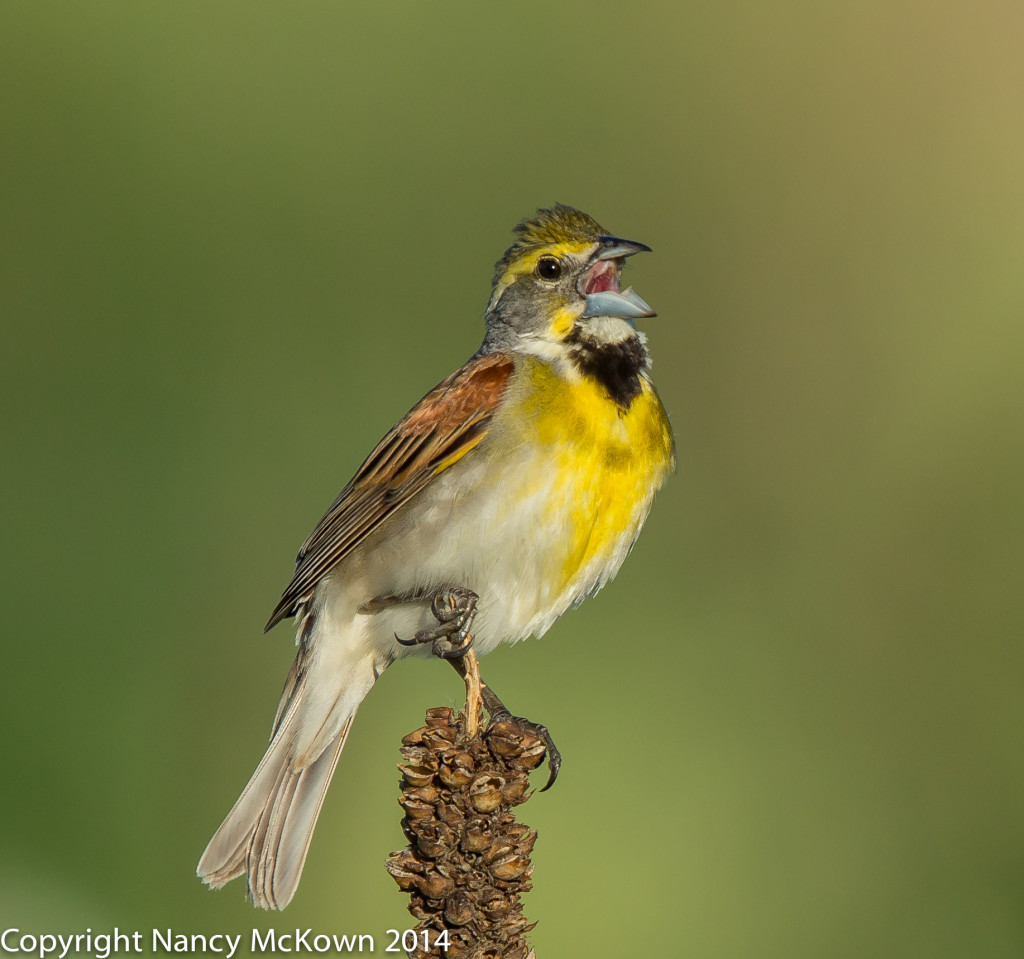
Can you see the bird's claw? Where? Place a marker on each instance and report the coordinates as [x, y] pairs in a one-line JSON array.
[[541, 732], [454, 610], [500, 713]]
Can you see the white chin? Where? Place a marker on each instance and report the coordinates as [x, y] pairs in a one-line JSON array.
[[609, 329]]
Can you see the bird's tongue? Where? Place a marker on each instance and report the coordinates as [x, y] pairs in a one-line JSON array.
[[602, 276]]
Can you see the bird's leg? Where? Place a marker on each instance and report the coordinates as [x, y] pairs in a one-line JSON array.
[[499, 712], [454, 610], [378, 603], [470, 672]]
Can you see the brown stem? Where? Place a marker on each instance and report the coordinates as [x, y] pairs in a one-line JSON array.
[[474, 698]]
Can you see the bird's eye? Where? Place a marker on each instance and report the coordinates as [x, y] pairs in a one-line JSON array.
[[548, 268]]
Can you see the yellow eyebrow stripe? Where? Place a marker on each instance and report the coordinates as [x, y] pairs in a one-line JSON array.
[[527, 262]]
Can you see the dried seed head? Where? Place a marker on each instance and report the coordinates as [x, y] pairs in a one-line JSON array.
[[459, 909], [531, 755], [415, 738], [508, 866], [457, 768], [416, 808], [485, 793], [496, 905], [514, 789], [434, 886], [505, 739], [450, 814], [468, 859], [477, 836], [427, 794], [434, 839], [404, 869], [416, 775], [439, 716]]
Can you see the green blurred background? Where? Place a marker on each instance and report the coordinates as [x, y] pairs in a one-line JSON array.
[[240, 239]]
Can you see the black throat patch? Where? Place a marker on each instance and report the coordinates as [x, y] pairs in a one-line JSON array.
[[616, 366]]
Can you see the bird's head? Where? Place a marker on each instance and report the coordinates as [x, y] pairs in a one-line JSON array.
[[558, 284]]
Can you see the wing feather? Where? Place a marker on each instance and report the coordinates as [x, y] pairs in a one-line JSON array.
[[446, 424]]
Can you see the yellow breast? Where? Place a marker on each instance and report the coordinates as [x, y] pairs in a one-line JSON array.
[[599, 466]]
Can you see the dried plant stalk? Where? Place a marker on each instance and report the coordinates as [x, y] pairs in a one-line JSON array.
[[468, 859]]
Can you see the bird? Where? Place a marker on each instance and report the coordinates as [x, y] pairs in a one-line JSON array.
[[511, 492]]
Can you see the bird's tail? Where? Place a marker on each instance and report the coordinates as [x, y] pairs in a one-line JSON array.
[[267, 833]]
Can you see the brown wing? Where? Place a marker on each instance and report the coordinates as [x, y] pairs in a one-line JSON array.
[[445, 425]]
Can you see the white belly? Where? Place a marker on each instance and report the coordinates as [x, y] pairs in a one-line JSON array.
[[507, 541]]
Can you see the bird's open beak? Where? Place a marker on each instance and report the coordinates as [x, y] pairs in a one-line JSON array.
[[600, 283], [625, 305], [615, 248]]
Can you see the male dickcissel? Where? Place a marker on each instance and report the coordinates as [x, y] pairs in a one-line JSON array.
[[513, 490]]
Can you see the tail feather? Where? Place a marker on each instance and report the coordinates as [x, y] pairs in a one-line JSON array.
[[267, 833], [226, 853], [291, 829]]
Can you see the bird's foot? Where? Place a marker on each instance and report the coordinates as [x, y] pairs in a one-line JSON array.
[[467, 668], [500, 713], [451, 638]]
